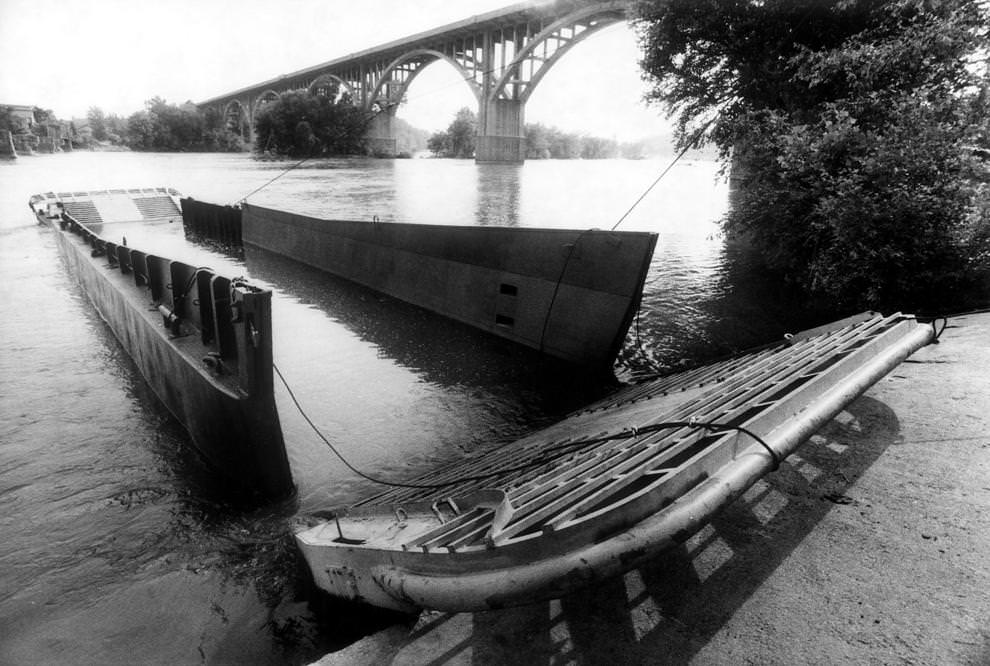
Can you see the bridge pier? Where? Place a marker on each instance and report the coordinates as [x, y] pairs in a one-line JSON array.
[[501, 131], [381, 135]]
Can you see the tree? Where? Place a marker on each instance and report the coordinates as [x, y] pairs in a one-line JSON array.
[[537, 142], [97, 123], [462, 133], [301, 123], [847, 119], [439, 144], [166, 127], [459, 139], [597, 148], [141, 131]]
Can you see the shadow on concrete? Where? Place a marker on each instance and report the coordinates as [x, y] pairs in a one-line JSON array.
[[665, 613]]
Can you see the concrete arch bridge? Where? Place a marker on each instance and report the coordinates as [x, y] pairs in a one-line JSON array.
[[501, 55]]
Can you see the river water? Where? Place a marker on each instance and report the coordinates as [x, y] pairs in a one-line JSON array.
[[114, 548]]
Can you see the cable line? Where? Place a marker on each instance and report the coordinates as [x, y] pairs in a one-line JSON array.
[[559, 451]]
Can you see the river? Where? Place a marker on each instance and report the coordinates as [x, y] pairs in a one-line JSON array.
[[114, 548]]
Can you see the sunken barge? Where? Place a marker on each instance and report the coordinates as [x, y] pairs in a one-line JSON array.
[[202, 341], [569, 294]]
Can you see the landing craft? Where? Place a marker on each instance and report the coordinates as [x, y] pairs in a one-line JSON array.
[[201, 340], [606, 489]]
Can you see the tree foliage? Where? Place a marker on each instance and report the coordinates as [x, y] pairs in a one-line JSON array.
[[458, 140], [97, 123], [164, 127], [847, 120], [301, 123], [542, 142]]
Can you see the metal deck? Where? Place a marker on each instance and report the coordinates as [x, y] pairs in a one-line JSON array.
[[621, 454]]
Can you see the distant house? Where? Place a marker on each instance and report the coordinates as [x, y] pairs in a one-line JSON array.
[[34, 130], [21, 117]]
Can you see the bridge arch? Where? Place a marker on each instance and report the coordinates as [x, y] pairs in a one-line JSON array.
[[332, 87], [544, 50], [399, 74], [264, 98], [502, 55], [235, 118]]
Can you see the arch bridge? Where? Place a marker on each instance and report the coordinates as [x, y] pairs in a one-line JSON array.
[[501, 55]]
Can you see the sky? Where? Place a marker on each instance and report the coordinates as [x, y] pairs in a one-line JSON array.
[[71, 55]]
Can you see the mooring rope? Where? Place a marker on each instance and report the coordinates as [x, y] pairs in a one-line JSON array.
[[561, 450], [258, 189], [688, 146]]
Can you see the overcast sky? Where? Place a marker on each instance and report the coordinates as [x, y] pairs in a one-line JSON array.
[[70, 55]]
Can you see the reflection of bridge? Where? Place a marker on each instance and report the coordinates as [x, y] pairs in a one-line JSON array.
[[502, 56]]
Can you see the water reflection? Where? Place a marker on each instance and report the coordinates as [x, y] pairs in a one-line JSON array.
[[499, 187], [397, 388]]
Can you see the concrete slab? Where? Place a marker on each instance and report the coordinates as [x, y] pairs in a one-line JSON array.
[[870, 545]]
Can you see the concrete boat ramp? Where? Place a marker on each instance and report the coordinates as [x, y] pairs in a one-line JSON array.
[[867, 546]]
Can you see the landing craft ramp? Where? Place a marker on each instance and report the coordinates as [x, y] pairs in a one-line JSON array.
[[607, 488], [119, 205]]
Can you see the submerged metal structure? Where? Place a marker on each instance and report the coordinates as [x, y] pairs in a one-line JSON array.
[[202, 341], [569, 294]]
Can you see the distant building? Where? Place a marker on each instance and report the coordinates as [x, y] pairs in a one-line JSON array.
[[21, 117], [27, 135]]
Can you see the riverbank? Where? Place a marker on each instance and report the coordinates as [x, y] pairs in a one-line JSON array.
[[867, 546]]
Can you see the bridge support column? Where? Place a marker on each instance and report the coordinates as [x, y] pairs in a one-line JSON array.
[[501, 131], [381, 135]]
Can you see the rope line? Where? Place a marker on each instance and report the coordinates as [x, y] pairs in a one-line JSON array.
[[558, 451], [258, 189], [687, 147]]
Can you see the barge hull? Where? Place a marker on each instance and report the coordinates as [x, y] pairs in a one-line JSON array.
[[567, 293], [225, 406]]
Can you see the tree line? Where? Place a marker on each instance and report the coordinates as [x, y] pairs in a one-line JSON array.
[[299, 123], [160, 126], [542, 142]]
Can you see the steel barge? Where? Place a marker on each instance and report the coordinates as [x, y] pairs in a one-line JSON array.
[[202, 341]]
